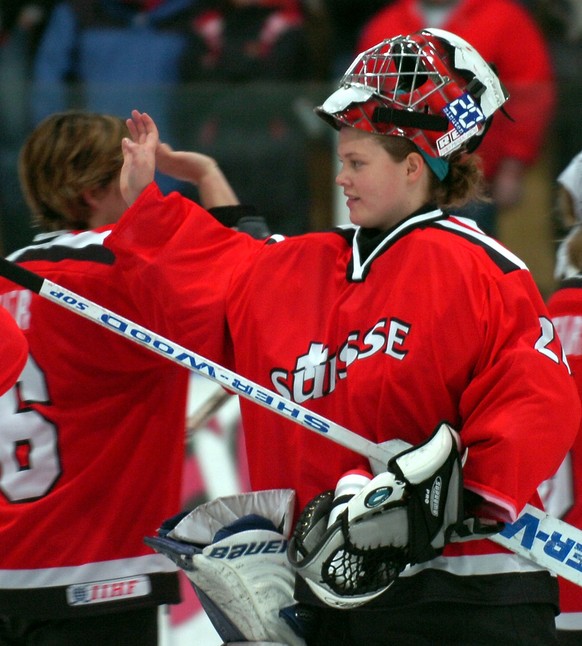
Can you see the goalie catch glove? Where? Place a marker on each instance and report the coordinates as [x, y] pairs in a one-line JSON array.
[[403, 516], [233, 551]]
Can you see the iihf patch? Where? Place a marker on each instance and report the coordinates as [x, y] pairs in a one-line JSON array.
[[464, 113], [83, 594]]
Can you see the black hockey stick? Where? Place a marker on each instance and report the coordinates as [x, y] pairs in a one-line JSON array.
[[550, 542]]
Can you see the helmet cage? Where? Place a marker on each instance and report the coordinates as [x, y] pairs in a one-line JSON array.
[[429, 87]]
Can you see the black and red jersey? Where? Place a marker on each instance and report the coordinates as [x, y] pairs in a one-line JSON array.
[[91, 447]]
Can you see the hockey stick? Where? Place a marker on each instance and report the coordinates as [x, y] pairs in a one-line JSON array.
[[545, 540], [549, 542], [199, 417], [377, 454]]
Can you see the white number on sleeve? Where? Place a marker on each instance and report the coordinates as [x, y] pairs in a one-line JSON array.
[[547, 336]]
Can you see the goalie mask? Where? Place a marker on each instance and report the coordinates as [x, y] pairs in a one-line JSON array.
[[431, 87]]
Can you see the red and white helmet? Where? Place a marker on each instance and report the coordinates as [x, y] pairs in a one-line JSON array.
[[431, 87]]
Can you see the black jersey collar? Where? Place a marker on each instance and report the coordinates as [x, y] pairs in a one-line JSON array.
[[368, 244]]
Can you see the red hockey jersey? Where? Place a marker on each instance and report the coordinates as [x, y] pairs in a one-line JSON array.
[[564, 497], [91, 451], [13, 351], [386, 336]]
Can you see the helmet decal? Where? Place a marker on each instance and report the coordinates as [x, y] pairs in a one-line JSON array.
[[431, 87]]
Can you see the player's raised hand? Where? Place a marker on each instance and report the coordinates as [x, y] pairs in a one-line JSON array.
[[139, 155], [199, 169], [186, 166]]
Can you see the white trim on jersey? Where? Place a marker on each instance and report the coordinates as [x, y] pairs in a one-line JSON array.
[[484, 238], [51, 577], [66, 239], [360, 267], [475, 565]]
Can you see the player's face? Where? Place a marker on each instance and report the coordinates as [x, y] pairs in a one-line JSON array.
[[376, 186]]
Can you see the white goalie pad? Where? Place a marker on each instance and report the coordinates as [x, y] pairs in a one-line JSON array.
[[234, 551], [202, 523]]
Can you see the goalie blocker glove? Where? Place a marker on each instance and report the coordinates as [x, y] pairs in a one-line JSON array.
[[402, 517], [233, 551]]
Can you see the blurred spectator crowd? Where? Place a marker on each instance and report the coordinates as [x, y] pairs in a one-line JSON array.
[[238, 79]]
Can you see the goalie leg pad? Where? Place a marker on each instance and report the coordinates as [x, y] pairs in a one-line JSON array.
[[243, 577], [247, 579]]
